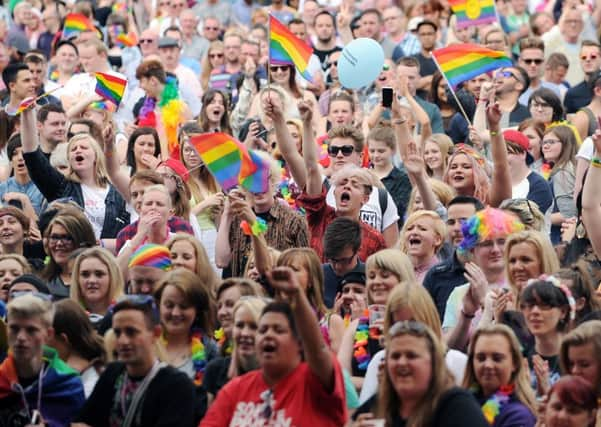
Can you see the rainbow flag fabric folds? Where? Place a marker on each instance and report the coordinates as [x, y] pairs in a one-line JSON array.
[[286, 48], [473, 12], [111, 87], [461, 62], [231, 163], [76, 23]]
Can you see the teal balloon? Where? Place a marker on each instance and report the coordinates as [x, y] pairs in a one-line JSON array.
[[360, 63]]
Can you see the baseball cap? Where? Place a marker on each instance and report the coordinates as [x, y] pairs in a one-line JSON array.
[[168, 42], [518, 138]]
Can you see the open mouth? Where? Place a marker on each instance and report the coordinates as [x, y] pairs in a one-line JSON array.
[[246, 343], [268, 349], [414, 241], [345, 197], [6, 234], [79, 158], [458, 178]]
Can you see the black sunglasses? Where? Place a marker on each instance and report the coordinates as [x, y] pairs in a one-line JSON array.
[[275, 68], [346, 150], [536, 61]]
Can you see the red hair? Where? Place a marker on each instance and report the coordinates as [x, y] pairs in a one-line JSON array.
[[575, 391]]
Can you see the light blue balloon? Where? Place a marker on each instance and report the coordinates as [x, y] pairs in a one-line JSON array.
[[360, 63]]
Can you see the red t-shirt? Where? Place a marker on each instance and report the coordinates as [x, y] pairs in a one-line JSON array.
[[298, 400]]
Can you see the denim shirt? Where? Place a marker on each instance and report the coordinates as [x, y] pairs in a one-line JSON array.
[[53, 185]]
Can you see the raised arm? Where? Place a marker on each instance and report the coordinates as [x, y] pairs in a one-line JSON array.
[[314, 184], [591, 197], [117, 175], [501, 177], [223, 250], [417, 170], [420, 114], [402, 133], [343, 22], [29, 132], [286, 145], [480, 114], [317, 353]]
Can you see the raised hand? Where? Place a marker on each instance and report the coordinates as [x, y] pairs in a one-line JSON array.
[[414, 163], [305, 108], [285, 282], [478, 284], [596, 137], [272, 109], [493, 115]]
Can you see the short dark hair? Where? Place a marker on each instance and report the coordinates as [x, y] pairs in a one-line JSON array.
[[372, 11], [68, 43], [549, 97], [45, 110], [34, 58], [524, 77], [151, 68], [14, 142], [325, 12], [296, 21], [173, 28], [95, 130], [545, 292], [149, 310], [9, 74], [409, 61], [341, 233], [466, 200], [282, 307]]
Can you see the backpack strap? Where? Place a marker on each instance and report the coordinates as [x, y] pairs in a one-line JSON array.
[[139, 394]]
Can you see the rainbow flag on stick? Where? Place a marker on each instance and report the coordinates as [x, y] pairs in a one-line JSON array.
[[461, 62], [76, 23], [286, 48], [111, 87], [127, 40], [230, 162], [473, 12]]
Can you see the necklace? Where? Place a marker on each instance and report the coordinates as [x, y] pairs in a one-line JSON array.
[[225, 345], [493, 406], [362, 336], [198, 356]]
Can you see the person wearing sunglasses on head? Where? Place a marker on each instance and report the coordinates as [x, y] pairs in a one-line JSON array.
[[36, 386], [580, 95], [150, 392]]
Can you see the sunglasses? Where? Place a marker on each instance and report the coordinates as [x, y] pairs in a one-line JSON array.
[[346, 150], [407, 327], [275, 68], [536, 61], [215, 55], [590, 57], [146, 41], [334, 63], [211, 28]]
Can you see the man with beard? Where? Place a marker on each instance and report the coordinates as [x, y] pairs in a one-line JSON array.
[[52, 127], [325, 43], [426, 33]]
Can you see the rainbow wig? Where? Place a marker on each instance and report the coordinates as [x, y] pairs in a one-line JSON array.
[[487, 224], [480, 169]]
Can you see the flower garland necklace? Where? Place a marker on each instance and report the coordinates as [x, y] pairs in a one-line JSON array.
[[225, 345], [493, 406], [362, 336], [198, 355]]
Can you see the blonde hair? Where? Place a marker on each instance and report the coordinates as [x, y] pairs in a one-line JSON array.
[[439, 228], [160, 188], [205, 75], [479, 171], [115, 277], [28, 306], [520, 378], [203, 268], [18, 258], [255, 306], [361, 174], [393, 261], [100, 173], [547, 258], [443, 192], [446, 147]]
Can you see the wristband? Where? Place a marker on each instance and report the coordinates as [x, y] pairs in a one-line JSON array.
[[494, 132], [109, 153], [596, 162], [467, 316], [256, 229]]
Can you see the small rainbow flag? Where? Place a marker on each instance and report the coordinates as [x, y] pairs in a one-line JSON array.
[[461, 62], [76, 23], [473, 12], [110, 87], [258, 181], [127, 40], [286, 48], [227, 159]]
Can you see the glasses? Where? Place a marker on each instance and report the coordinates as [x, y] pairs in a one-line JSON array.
[[282, 68], [536, 61], [65, 239], [391, 18], [573, 21], [215, 55], [590, 57], [342, 261], [334, 63], [346, 150], [551, 142], [211, 28], [541, 105], [40, 295], [506, 74], [146, 41]]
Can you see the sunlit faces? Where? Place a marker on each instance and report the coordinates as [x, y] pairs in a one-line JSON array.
[[542, 318], [94, 281], [245, 332], [232, 45], [584, 362], [488, 255], [11, 231], [370, 25], [456, 215], [95, 115], [351, 293], [27, 336], [54, 128], [590, 59], [475, 85], [225, 308], [144, 144], [183, 255], [337, 149], [421, 239], [60, 244], [412, 74], [302, 274], [324, 28], [66, 58], [190, 156], [409, 366], [380, 153], [379, 284], [532, 60], [433, 155], [155, 202], [340, 113], [24, 85], [177, 313], [216, 108], [535, 142], [559, 414], [134, 340], [10, 269], [524, 264], [493, 362], [81, 155], [277, 347], [136, 191], [461, 175], [350, 194], [216, 57], [280, 74], [552, 147], [295, 134]]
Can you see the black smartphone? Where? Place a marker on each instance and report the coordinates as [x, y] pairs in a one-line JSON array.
[[387, 97]]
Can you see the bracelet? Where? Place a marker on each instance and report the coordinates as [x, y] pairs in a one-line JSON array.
[[596, 162], [399, 121], [255, 229], [467, 316], [109, 153], [494, 132]]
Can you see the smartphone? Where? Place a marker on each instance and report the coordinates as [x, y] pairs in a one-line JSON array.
[[387, 97]]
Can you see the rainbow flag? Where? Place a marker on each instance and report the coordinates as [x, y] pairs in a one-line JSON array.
[[76, 23], [473, 12], [229, 161], [258, 181], [286, 48], [110, 87], [461, 62], [127, 40]]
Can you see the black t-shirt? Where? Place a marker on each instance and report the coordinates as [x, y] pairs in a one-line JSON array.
[[323, 56], [169, 400], [215, 376]]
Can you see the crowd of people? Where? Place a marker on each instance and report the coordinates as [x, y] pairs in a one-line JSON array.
[[430, 260]]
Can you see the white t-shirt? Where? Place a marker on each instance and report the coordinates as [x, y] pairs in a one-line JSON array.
[[95, 206], [456, 362], [586, 150], [371, 213], [521, 190]]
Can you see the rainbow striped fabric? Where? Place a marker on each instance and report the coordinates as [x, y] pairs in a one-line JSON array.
[[231, 163], [461, 62], [286, 48], [473, 12], [76, 23], [151, 255], [111, 87]]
